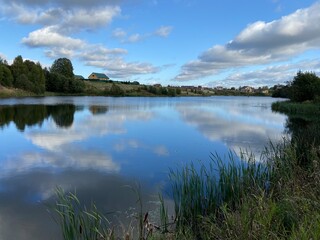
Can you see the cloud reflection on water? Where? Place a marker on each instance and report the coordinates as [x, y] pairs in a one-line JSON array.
[[60, 146], [247, 128], [23, 217]]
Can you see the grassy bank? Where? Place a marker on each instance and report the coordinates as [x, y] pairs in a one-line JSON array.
[[14, 92], [19, 93], [95, 88], [299, 109]]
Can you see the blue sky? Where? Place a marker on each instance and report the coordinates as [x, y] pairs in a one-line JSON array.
[[177, 42]]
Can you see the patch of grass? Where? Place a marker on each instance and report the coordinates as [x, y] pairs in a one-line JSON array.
[[14, 92], [306, 109]]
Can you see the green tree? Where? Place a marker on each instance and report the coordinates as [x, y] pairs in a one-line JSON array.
[[58, 83], [61, 78], [6, 78], [3, 61], [281, 91], [53, 82], [18, 68], [23, 82], [62, 66], [164, 91], [305, 86], [35, 76], [172, 92]]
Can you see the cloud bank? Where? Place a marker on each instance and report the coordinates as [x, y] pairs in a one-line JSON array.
[[268, 76], [61, 20], [259, 43]]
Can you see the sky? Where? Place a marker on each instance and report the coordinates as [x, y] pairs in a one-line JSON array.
[[172, 42]]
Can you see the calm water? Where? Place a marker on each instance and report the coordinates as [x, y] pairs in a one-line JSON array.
[[98, 146]]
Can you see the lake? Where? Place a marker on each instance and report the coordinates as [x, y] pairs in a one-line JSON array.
[[100, 146]]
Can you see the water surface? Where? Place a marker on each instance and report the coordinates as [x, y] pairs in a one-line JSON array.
[[98, 146]]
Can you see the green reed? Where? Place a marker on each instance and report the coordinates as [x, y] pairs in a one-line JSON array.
[[297, 109], [78, 222], [203, 191]]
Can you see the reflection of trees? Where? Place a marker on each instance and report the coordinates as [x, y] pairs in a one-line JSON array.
[[305, 135], [62, 114], [30, 115], [98, 109], [23, 115]]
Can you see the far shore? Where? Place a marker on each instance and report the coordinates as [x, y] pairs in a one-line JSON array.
[[128, 90]]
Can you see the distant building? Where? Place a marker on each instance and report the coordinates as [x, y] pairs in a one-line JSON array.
[[157, 85], [78, 77], [247, 89], [98, 76]]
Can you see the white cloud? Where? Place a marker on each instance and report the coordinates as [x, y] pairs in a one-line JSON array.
[[63, 3], [135, 38], [100, 53], [260, 43], [163, 31], [268, 76], [118, 68], [57, 52], [66, 20], [49, 37], [119, 33], [122, 35], [91, 19]]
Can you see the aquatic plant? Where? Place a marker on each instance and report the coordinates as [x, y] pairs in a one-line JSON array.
[[202, 192], [78, 222]]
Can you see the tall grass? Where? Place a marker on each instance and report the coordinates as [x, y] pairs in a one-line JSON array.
[[78, 222], [299, 109], [201, 193]]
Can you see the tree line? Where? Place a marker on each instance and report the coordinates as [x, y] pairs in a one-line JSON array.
[[30, 76], [305, 86]]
